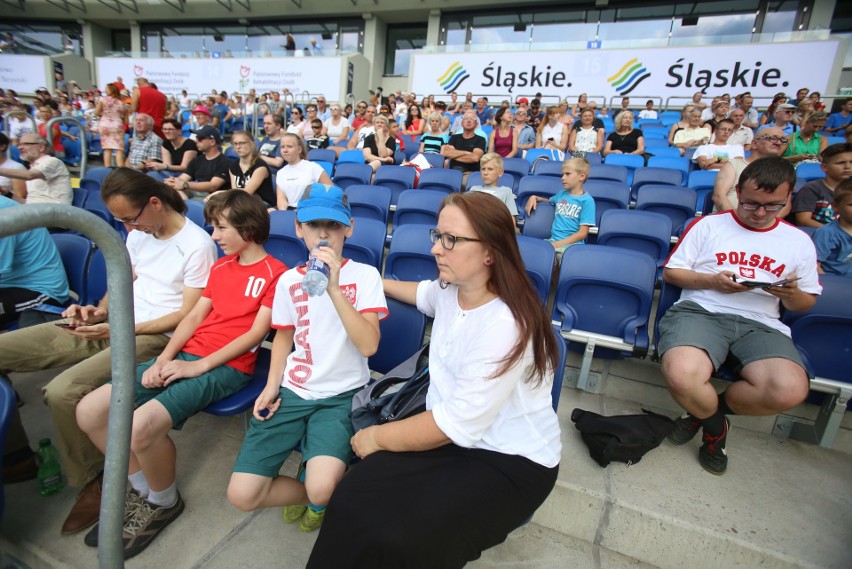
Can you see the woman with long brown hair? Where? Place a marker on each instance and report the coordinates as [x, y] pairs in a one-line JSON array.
[[485, 453]]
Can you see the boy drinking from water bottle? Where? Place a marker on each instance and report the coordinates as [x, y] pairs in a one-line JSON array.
[[308, 395]]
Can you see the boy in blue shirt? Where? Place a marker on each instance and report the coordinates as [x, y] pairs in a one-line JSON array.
[[575, 209], [834, 240]]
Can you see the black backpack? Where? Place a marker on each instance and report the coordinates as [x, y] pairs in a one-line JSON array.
[[625, 438]]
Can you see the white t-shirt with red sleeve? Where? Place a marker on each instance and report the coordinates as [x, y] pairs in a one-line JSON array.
[[325, 362], [721, 242], [237, 293]]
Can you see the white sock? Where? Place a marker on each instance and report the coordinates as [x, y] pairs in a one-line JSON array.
[[166, 499], [138, 482]]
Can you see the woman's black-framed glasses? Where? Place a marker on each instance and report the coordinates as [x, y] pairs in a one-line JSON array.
[[133, 220], [448, 241]]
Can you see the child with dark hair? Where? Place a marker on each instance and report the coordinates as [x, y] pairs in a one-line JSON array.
[[834, 239], [210, 356]]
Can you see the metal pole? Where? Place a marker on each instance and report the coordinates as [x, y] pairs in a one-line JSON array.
[[84, 149], [123, 355]]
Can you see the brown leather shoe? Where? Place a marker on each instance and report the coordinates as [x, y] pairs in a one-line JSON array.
[[20, 471], [87, 507]]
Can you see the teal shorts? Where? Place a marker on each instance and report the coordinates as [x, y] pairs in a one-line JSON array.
[[323, 427], [186, 397]]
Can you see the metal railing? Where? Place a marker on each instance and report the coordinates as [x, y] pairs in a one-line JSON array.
[[84, 148], [122, 355]]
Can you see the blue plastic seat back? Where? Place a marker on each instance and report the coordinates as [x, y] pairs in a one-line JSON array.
[[675, 202], [355, 156], [651, 131], [7, 409], [700, 179], [532, 185], [283, 242], [327, 166], [410, 257], [810, 171], [539, 257], [440, 179], [609, 172], [402, 334], [371, 202], [642, 231], [322, 154], [606, 290], [79, 198], [540, 223], [195, 212], [75, 251], [367, 242], [418, 207], [231, 153], [608, 194], [98, 174], [654, 144], [822, 334], [548, 168], [348, 173], [559, 372], [436, 160], [681, 164], [397, 178], [669, 294], [243, 400], [96, 278], [517, 167], [654, 175]]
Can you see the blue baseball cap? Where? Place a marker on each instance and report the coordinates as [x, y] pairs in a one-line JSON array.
[[324, 202]]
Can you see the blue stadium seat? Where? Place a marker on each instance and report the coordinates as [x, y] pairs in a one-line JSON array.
[[231, 153], [539, 224], [410, 257], [367, 242], [539, 257], [436, 160], [653, 175], [608, 194], [609, 172], [700, 179], [8, 403], [517, 167], [440, 179], [75, 251], [664, 151], [534, 154], [822, 336], [675, 202], [96, 205], [79, 197], [73, 151], [559, 372], [681, 164], [543, 186], [195, 212], [283, 243], [327, 166], [642, 231], [412, 145], [402, 334], [654, 144], [810, 171], [594, 158], [322, 154], [418, 207], [548, 168], [629, 161], [475, 179], [96, 278], [397, 178], [243, 400], [356, 156], [655, 132], [97, 174], [347, 174], [370, 202], [603, 299]]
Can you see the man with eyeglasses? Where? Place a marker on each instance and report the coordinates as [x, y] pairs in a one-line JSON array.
[[736, 270], [783, 119], [208, 172], [47, 180], [170, 258], [358, 117], [771, 141]]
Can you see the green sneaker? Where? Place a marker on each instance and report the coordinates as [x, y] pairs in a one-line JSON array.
[[293, 514], [311, 520]]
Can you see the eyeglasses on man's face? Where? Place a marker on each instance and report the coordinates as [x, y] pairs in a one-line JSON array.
[[751, 206], [773, 139], [448, 241]]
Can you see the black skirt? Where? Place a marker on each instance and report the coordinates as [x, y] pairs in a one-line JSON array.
[[435, 509]]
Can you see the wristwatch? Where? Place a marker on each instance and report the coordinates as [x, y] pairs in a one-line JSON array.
[[186, 185]]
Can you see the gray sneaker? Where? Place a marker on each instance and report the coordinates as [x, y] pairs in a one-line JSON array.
[[132, 501], [146, 523]]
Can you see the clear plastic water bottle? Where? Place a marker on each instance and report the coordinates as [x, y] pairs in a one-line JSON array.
[[49, 470], [315, 280]]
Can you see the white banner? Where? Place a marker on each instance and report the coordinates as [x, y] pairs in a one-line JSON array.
[[24, 73], [763, 69], [199, 76]]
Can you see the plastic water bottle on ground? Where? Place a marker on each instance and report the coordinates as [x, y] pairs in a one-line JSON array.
[[315, 280], [49, 469]]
